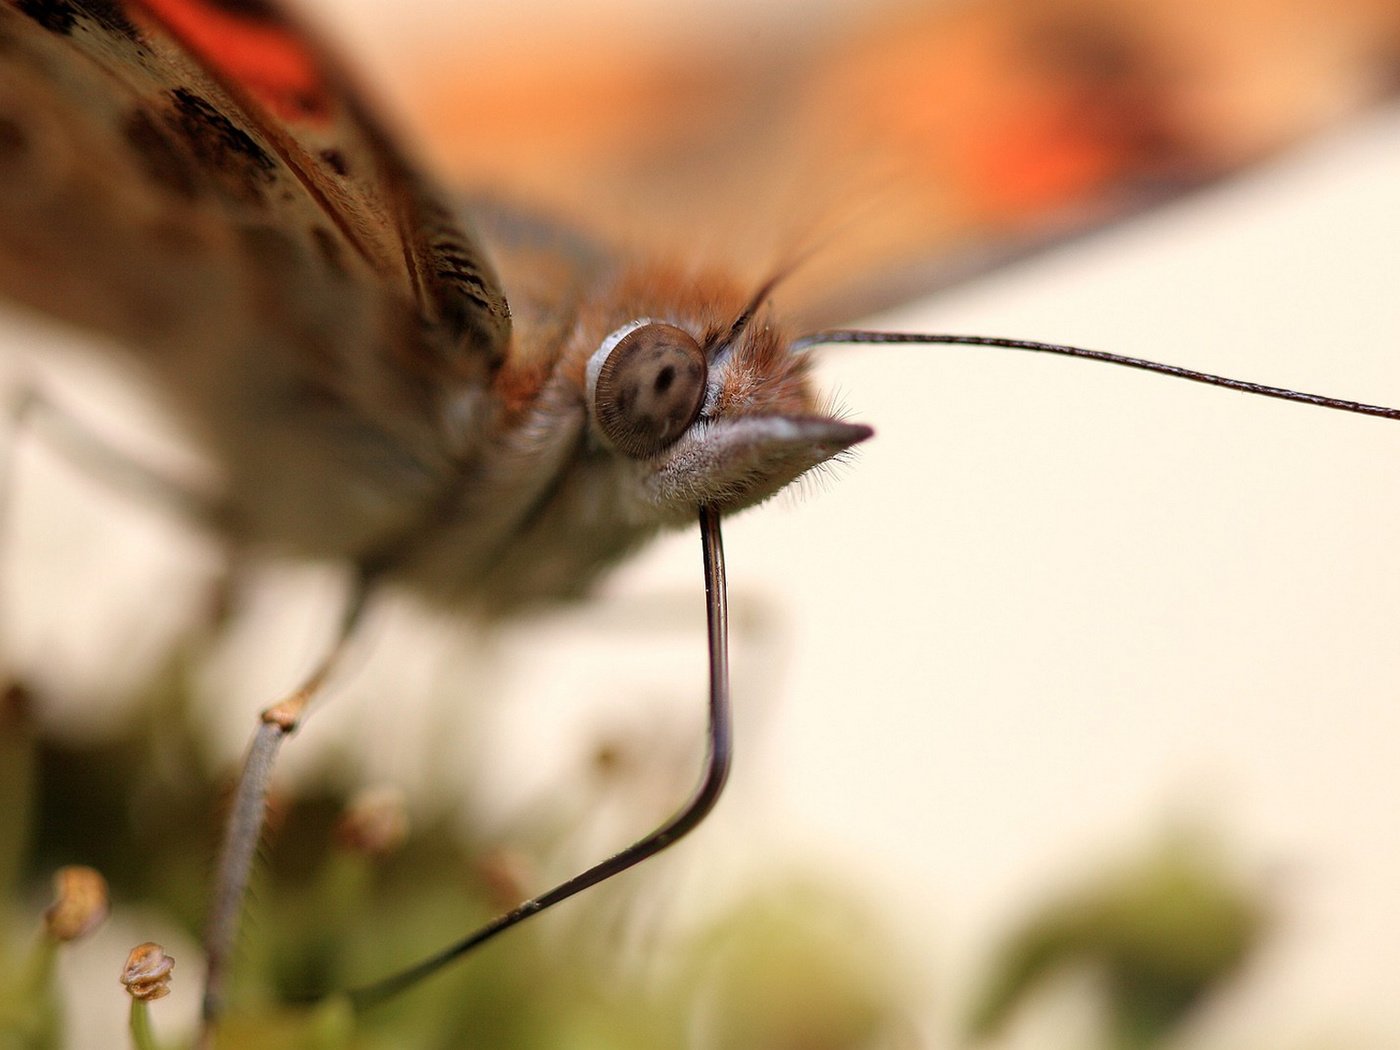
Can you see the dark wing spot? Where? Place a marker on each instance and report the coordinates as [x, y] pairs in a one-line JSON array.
[[13, 141], [467, 308], [218, 134], [253, 10], [60, 16], [274, 253], [111, 16], [310, 104], [331, 252], [165, 165], [225, 151], [174, 236], [335, 160], [56, 16], [664, 379]]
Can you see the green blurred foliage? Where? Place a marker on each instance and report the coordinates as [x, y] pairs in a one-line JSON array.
[[795, 967], [1162, 935], [797, 963]]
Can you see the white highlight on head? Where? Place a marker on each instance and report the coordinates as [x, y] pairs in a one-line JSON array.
[[606, 347]]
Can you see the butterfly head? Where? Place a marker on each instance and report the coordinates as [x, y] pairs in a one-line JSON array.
[[711, 406]]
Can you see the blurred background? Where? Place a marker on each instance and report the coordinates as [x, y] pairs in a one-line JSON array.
[[1070, 707]]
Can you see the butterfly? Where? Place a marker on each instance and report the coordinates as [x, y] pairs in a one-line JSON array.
[[356, 445], [394, 411]]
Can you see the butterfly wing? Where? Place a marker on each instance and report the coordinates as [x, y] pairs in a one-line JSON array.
[[891, 149], [194, 179]]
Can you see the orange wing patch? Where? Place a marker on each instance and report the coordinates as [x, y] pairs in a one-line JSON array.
[[910, 145], [254, 48]]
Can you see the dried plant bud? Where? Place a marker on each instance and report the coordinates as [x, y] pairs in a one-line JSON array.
[[375, 823], [146, 974], [79, 905]]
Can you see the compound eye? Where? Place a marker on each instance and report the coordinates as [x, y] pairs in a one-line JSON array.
[[649, 388]]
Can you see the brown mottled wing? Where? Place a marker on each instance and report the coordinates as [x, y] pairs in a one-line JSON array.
[[192, 178]]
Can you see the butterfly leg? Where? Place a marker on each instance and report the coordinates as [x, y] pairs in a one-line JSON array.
[[249, 810], [31, 411]]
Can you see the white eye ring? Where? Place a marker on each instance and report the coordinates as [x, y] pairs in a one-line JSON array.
[[606, 347], [645, 386]]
